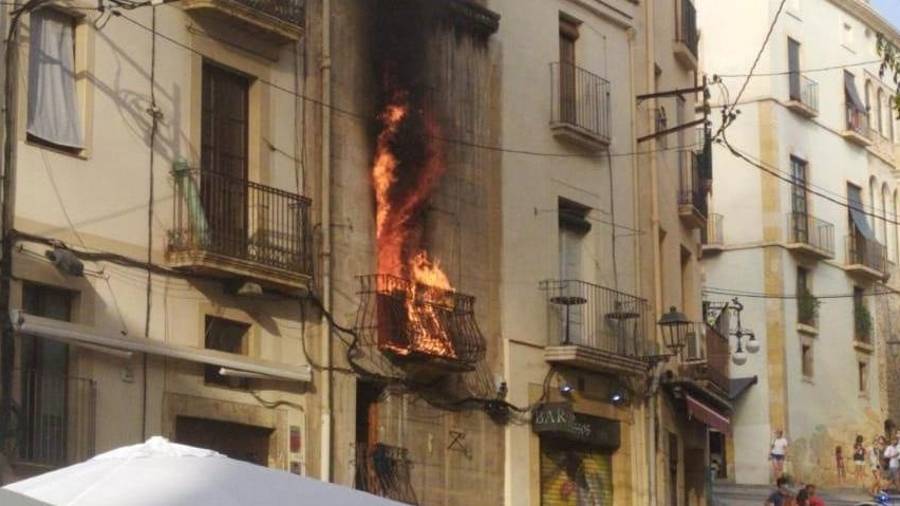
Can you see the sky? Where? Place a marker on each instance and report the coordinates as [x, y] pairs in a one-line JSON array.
[[889, 9]]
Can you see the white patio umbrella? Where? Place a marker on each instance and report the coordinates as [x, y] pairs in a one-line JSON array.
[[10, 498], [160, 473]]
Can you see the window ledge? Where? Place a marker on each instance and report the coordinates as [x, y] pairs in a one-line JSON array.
[[809, 330], [863, 347]]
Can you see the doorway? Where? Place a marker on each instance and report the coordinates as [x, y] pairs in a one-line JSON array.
[[248, 443]]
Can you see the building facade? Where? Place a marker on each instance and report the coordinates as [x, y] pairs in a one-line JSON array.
[[809, 209]]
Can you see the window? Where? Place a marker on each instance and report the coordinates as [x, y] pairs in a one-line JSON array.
[[862, 318], [806, 357], [231, 337], [847, 35], [863, 378], [794, 69], [573, 226], [880, 110], [44, 387], [869, 95], [807, 304], [856, 111], [53, 105], [799, 203]]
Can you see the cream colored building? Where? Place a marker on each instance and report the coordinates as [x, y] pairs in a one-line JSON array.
[[819, 219]]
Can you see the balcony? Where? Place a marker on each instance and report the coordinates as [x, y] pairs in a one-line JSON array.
[[237, 229], [808, 235], [275, 21], [804, 95], [712, 236], [687, 37], [857, 127], [415, 329], [579, 110], [692, 189], [866, 258], [55, 421], [596, 328], [705, 359], [385, 471]]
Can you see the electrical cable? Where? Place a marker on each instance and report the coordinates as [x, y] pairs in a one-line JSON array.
[[802, 71]]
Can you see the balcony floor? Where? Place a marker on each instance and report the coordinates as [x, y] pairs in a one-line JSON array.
[[806, 249], [226, 267], [592, 359], [802, 109], [691, 216], [578, 135], [865, 272]]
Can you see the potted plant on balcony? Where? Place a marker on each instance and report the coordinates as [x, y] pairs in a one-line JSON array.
[[808, 308], [862, 322]]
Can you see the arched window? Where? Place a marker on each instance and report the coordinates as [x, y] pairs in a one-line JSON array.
[[880, 111], [895, 227], [872, 204]]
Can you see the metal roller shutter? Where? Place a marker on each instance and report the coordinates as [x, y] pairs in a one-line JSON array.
[[574, 476]]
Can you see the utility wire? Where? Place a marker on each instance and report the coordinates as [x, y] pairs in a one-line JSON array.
[[759, 295], [802, 71]]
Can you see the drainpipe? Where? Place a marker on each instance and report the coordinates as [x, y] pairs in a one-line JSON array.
[[325, 196], [652, 400]]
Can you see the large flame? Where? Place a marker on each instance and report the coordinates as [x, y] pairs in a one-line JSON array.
[[398, 224]]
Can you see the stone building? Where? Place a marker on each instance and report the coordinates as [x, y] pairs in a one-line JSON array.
[[810, 222]]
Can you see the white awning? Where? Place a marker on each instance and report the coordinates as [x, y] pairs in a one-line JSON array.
[[84, 335]]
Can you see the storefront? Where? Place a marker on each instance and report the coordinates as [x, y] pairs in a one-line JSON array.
[[576, 456]]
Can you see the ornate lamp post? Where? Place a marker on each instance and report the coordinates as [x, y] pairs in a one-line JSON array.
[[675, 326]]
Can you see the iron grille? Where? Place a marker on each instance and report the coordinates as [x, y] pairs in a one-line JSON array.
[[56, 419], [804, 90], [714, 232], [804, 228], [409, 321], [385, 471], [857, 121], [692, 185], [687, 26], [866, 252], [241, 219]]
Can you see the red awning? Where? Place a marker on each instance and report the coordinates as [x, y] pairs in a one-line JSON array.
[[708, 415]]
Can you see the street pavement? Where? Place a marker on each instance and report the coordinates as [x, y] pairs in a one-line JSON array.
[[726, 494]]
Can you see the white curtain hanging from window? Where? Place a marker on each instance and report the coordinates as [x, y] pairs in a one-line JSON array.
[[52, 102]]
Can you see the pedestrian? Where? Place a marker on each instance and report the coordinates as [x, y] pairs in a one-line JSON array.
[[781, 496], [802, 498], [859, 460], [875, 467], [839, 464], [892, 453], [814, 499], [777, 454]]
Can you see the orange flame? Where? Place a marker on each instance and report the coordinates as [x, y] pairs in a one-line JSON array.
[[398, 229]]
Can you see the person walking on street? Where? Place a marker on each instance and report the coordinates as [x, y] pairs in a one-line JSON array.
[[859, 461], [778, 453], [781, 496], [814, 500], [892, 453], [875, 467]]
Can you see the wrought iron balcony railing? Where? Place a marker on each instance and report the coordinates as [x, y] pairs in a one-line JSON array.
[[706, 355], [590, 315], [411, 322], [867, 253], [714, 232], [239, 219], [56, 419], [686, 28], [857, 122], [385, 471], [579, 99], [692, 185], [286, 10], [804, 90], [806, 229]]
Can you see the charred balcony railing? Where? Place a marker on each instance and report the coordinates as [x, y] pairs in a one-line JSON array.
[[56, 419], [240, 219], [804, 228], [409, 321], [867, 253], [804, 90], [593, 316], [706, 355], [579, 99], [686, 28], [385, 471]]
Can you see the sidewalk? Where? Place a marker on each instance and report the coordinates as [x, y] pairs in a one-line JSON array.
[[729, 494]]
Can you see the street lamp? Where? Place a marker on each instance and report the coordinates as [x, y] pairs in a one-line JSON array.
[[739, 357], [674, 325]]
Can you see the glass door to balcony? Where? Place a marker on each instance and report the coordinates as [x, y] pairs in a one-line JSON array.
[[223, 175], [794, 68], [799, 203], [571, 289], [568, 34]]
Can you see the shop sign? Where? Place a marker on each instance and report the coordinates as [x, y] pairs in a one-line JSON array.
[[558, 419]]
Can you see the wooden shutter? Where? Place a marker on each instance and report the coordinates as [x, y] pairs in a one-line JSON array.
[[794, 68]]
